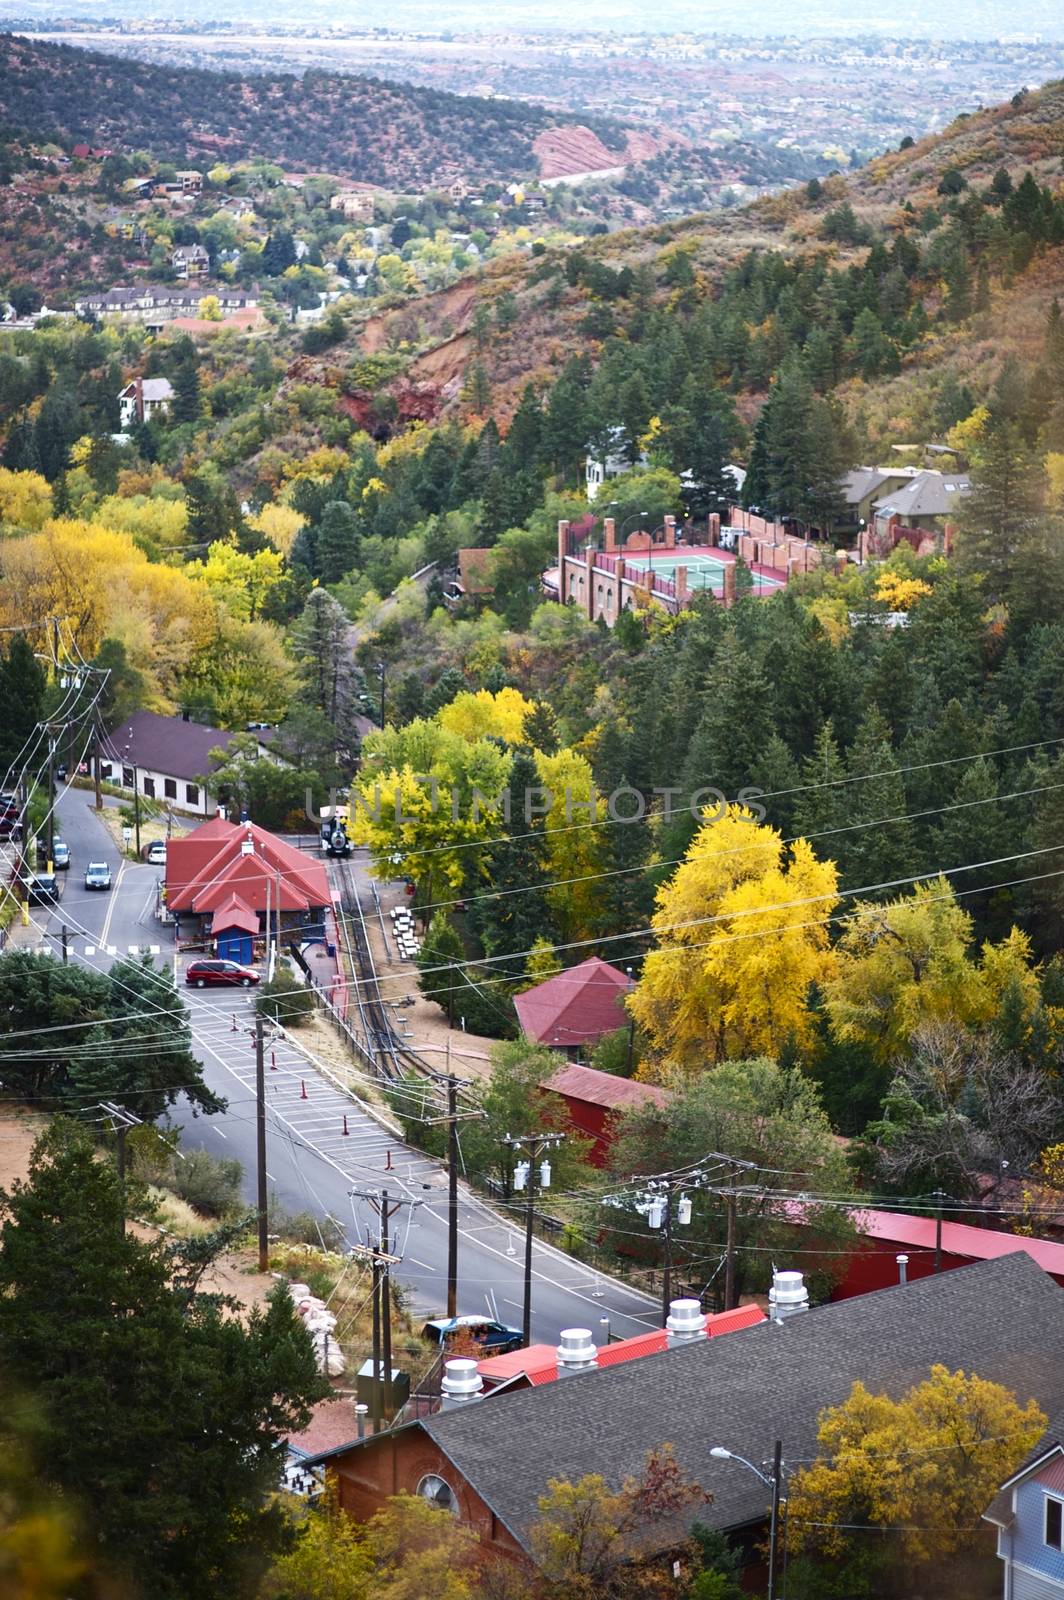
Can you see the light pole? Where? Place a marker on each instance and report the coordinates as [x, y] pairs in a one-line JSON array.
[[773, 1481]]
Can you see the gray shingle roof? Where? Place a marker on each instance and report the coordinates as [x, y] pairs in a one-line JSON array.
[[1002, 1319], [929, 494], [169, 745]]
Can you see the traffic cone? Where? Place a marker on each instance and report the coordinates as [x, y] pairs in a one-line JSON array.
[[388, 1162], [273, 1060], [303, 1090], [346, 1134]]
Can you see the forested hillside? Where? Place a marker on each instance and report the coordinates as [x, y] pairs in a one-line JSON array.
[[390, 134]]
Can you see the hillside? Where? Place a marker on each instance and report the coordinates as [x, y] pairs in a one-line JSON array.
[[935, 215], [392, 134]]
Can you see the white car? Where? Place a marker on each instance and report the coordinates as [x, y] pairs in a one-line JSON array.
[[155, 854]]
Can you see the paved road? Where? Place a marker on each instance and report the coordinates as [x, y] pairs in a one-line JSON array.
[[312, 1164]]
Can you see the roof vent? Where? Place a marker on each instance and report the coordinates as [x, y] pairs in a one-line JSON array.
[[461, 1382], [247, 847], [577, 1351], [686, 1322], [787, 1296]]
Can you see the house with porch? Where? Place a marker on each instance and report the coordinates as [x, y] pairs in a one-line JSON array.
[[167, 759], [143, 399]]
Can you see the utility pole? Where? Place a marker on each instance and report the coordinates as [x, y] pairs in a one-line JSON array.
[[452, 1192], [136, 807], [382, 1259], [63, 936], [938, 1196], [98, 796], [731, 1209], [51, 798], [381, 671], [260, 1145], [121, 1121], [777, 1482], [535, 1147], [659, 1215]]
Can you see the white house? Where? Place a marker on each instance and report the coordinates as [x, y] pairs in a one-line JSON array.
[[608, 462], [190, 261], [167, 758], [142, 399]]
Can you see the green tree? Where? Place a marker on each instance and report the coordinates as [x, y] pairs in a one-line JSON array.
[[159, 1413], [514, 912], [22, 686]]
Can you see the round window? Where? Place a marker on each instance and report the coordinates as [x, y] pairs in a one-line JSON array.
[[438, 1492]]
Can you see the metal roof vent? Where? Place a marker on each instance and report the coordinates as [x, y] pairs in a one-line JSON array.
[[461, 1382], [577, 1351], [686, 1322], [787, 1296]]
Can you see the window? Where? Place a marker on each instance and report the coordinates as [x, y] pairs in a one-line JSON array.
[[1054, 1521], [170, 788], [127, 777], [105, 771], [438, 1492], [149, 788], [192, 793]]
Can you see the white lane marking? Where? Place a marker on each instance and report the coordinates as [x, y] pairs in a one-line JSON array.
[[427, 1265], [105, 931], [271, 1177], [90, 950], [112, 949], [221, 1135]]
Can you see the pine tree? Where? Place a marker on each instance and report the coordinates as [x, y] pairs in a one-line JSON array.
[[22, 686], [1003, 511], [515, 912], [883, 849], [187, 405], [339, 541], [156, 1413]]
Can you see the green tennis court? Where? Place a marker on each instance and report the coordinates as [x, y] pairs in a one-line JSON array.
[[703, 571]]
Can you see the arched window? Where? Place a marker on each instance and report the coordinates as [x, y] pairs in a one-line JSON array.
[[438, 1492]]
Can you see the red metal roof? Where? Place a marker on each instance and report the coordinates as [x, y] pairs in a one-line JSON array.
[[574, 1006], [603, 1088], [235, 913], [731, 1321], [202, 882], [538, 1363], [958, 1238], [642, 1344]]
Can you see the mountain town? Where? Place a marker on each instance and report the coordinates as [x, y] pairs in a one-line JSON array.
[[531, 913]]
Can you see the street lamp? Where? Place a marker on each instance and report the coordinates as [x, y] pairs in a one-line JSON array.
[[771, 1481]]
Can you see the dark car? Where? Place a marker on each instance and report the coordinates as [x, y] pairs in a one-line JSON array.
[[41, 889], [204, 974], [60, 854], [496, 1337]]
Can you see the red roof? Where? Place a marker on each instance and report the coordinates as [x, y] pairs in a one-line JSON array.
[[604, 1088], [958, 1238], [539, 1362], [574, 1006], [203, 879], [235, 913]]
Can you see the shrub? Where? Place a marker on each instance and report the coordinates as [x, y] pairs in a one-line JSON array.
[[285, 1000], [210, 1184]]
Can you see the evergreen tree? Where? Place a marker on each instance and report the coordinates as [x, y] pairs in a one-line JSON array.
[[1003, 511], [157, 1413], [822, 810], [339, 541], [884, 848], [187, 404], [515, 913], [22, 686]]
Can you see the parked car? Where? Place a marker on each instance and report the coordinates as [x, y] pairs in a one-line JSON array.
[[60, 854], [155, 854], [496, 1337], [204, 974], [41, 888], [97, 875], [10, 824]]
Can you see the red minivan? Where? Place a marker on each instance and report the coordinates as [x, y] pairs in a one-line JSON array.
[[201, 974]]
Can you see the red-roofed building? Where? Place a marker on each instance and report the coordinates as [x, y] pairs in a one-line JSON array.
[[888, 1234], [538, 1363], [576, 1007], [593, 1100], [224, 879]]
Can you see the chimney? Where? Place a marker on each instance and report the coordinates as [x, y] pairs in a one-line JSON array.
[[609, 534], [576, 1353], [686, 1322], [461, 1383], [787, 1296]]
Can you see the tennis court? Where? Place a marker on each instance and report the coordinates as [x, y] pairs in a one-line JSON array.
[[703, 571]]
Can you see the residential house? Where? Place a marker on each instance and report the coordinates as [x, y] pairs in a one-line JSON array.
[[594, 1100], [142, 399], [190, 261], [1003, 1320], [191, 180], [166, 759], [862, 487], [576, 1007], [1028, 1513], [608, 460], [920, 510], [355, 205], [227, 882], [474, 577]]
